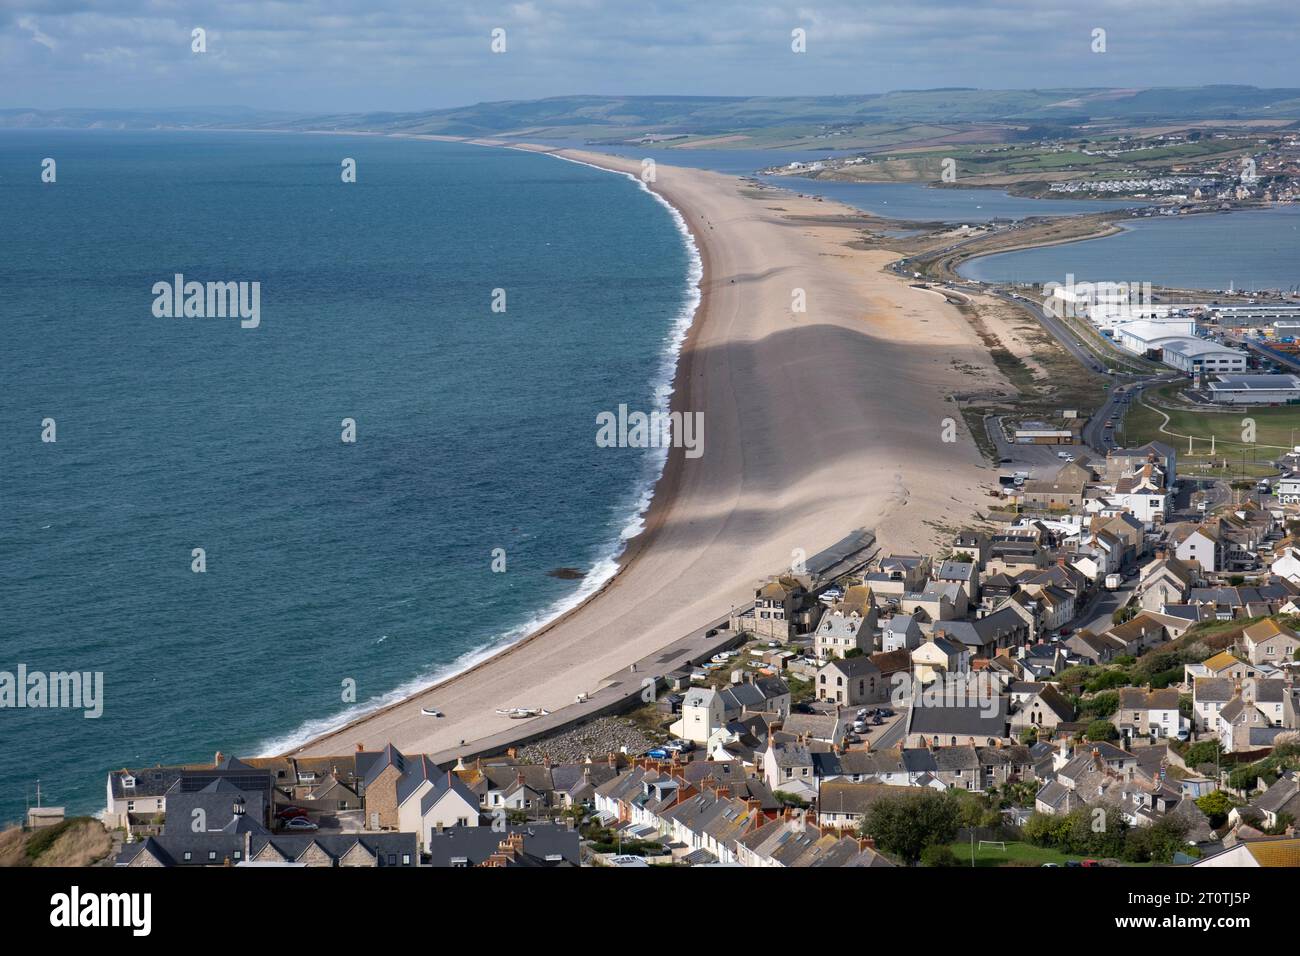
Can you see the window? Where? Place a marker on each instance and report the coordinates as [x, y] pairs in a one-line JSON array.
[[406, 859], [212, 855], [188, 856]]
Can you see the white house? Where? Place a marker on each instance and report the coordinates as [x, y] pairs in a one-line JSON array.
[[1287, 564], [702, 714], [900, 632], [436, 803]]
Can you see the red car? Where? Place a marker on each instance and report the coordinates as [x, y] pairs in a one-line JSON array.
[[288, 813]]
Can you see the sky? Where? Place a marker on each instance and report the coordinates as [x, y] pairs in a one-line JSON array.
[[327, 56]]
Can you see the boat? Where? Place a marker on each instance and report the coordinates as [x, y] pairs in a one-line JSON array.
[[522, 713], [430, 712]]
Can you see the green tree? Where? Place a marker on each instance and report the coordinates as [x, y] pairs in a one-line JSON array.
[[906, 824], [1102, 730], [1216, 805]]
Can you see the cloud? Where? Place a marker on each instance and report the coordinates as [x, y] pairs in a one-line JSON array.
[[29, 24], [333, 55]]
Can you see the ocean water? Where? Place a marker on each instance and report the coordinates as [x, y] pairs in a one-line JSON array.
[[1249, 249], [326, 562]]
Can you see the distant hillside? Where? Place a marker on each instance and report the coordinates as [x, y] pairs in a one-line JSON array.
[[713, 115]]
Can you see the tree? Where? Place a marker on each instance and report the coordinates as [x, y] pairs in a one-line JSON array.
[[906, 824], [1102, 730], [1206, 751], [1216, 805]]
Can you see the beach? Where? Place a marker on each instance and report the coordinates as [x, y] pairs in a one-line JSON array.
[[816, 423]]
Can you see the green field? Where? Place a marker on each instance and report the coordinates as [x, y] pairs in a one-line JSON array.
[[1275, 430], [1015, 853]]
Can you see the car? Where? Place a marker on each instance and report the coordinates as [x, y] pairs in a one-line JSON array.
[[885, 712], [877, 720], [287, 813], [300, 823], [713, 632], [1004, 461], [657, 753], [1090, 863], [1183, 734]]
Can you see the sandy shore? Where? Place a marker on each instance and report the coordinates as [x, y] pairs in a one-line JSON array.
[[816, 423]]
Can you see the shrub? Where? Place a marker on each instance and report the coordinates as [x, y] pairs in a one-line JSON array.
[[1216, 805], [938, 854], [1102, 730]]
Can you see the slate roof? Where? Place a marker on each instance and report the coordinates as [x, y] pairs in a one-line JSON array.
[[473, 845], [958, 720]]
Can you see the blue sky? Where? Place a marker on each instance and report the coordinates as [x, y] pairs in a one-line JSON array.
[[331, 55]]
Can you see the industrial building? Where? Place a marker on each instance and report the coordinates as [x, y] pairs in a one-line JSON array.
[[1199, 357], [1254, 389]]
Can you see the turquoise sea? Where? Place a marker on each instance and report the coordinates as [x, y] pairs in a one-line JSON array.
[[326, 561]]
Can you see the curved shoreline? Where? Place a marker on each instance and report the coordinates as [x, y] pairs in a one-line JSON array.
[[799, 455], [661, 489]]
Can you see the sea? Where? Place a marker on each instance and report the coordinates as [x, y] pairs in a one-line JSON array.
[[180, 510], [1243, 250], [916, 202]]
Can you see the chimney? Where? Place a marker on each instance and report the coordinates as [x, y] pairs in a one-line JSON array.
[[752, 805], [724, 793], [612, 760], [512, 753], [361, 747], [546, 761], [216, 761]]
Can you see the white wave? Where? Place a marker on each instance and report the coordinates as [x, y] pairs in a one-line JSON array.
[[604, 567]]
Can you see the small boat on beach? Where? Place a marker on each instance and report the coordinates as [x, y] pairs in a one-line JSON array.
[[430, 712], [522, 713]]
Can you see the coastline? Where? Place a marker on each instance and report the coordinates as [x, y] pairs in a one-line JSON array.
[[394, 721], [652, 498]]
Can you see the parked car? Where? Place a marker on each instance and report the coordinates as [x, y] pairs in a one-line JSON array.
[[300, 823], [288, 813]]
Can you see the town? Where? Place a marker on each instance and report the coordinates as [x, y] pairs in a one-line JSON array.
[[1106, 679]]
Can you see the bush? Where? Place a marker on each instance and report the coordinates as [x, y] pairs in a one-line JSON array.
[[1099, 705], [1203, 752], [1107, 680], [1216, 805], [938, 854], [1102, 730]]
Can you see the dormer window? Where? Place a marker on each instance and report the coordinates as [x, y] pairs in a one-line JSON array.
[[128, 782]]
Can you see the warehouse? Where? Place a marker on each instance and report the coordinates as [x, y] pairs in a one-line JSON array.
[[1199, 357], [1254, 389]]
